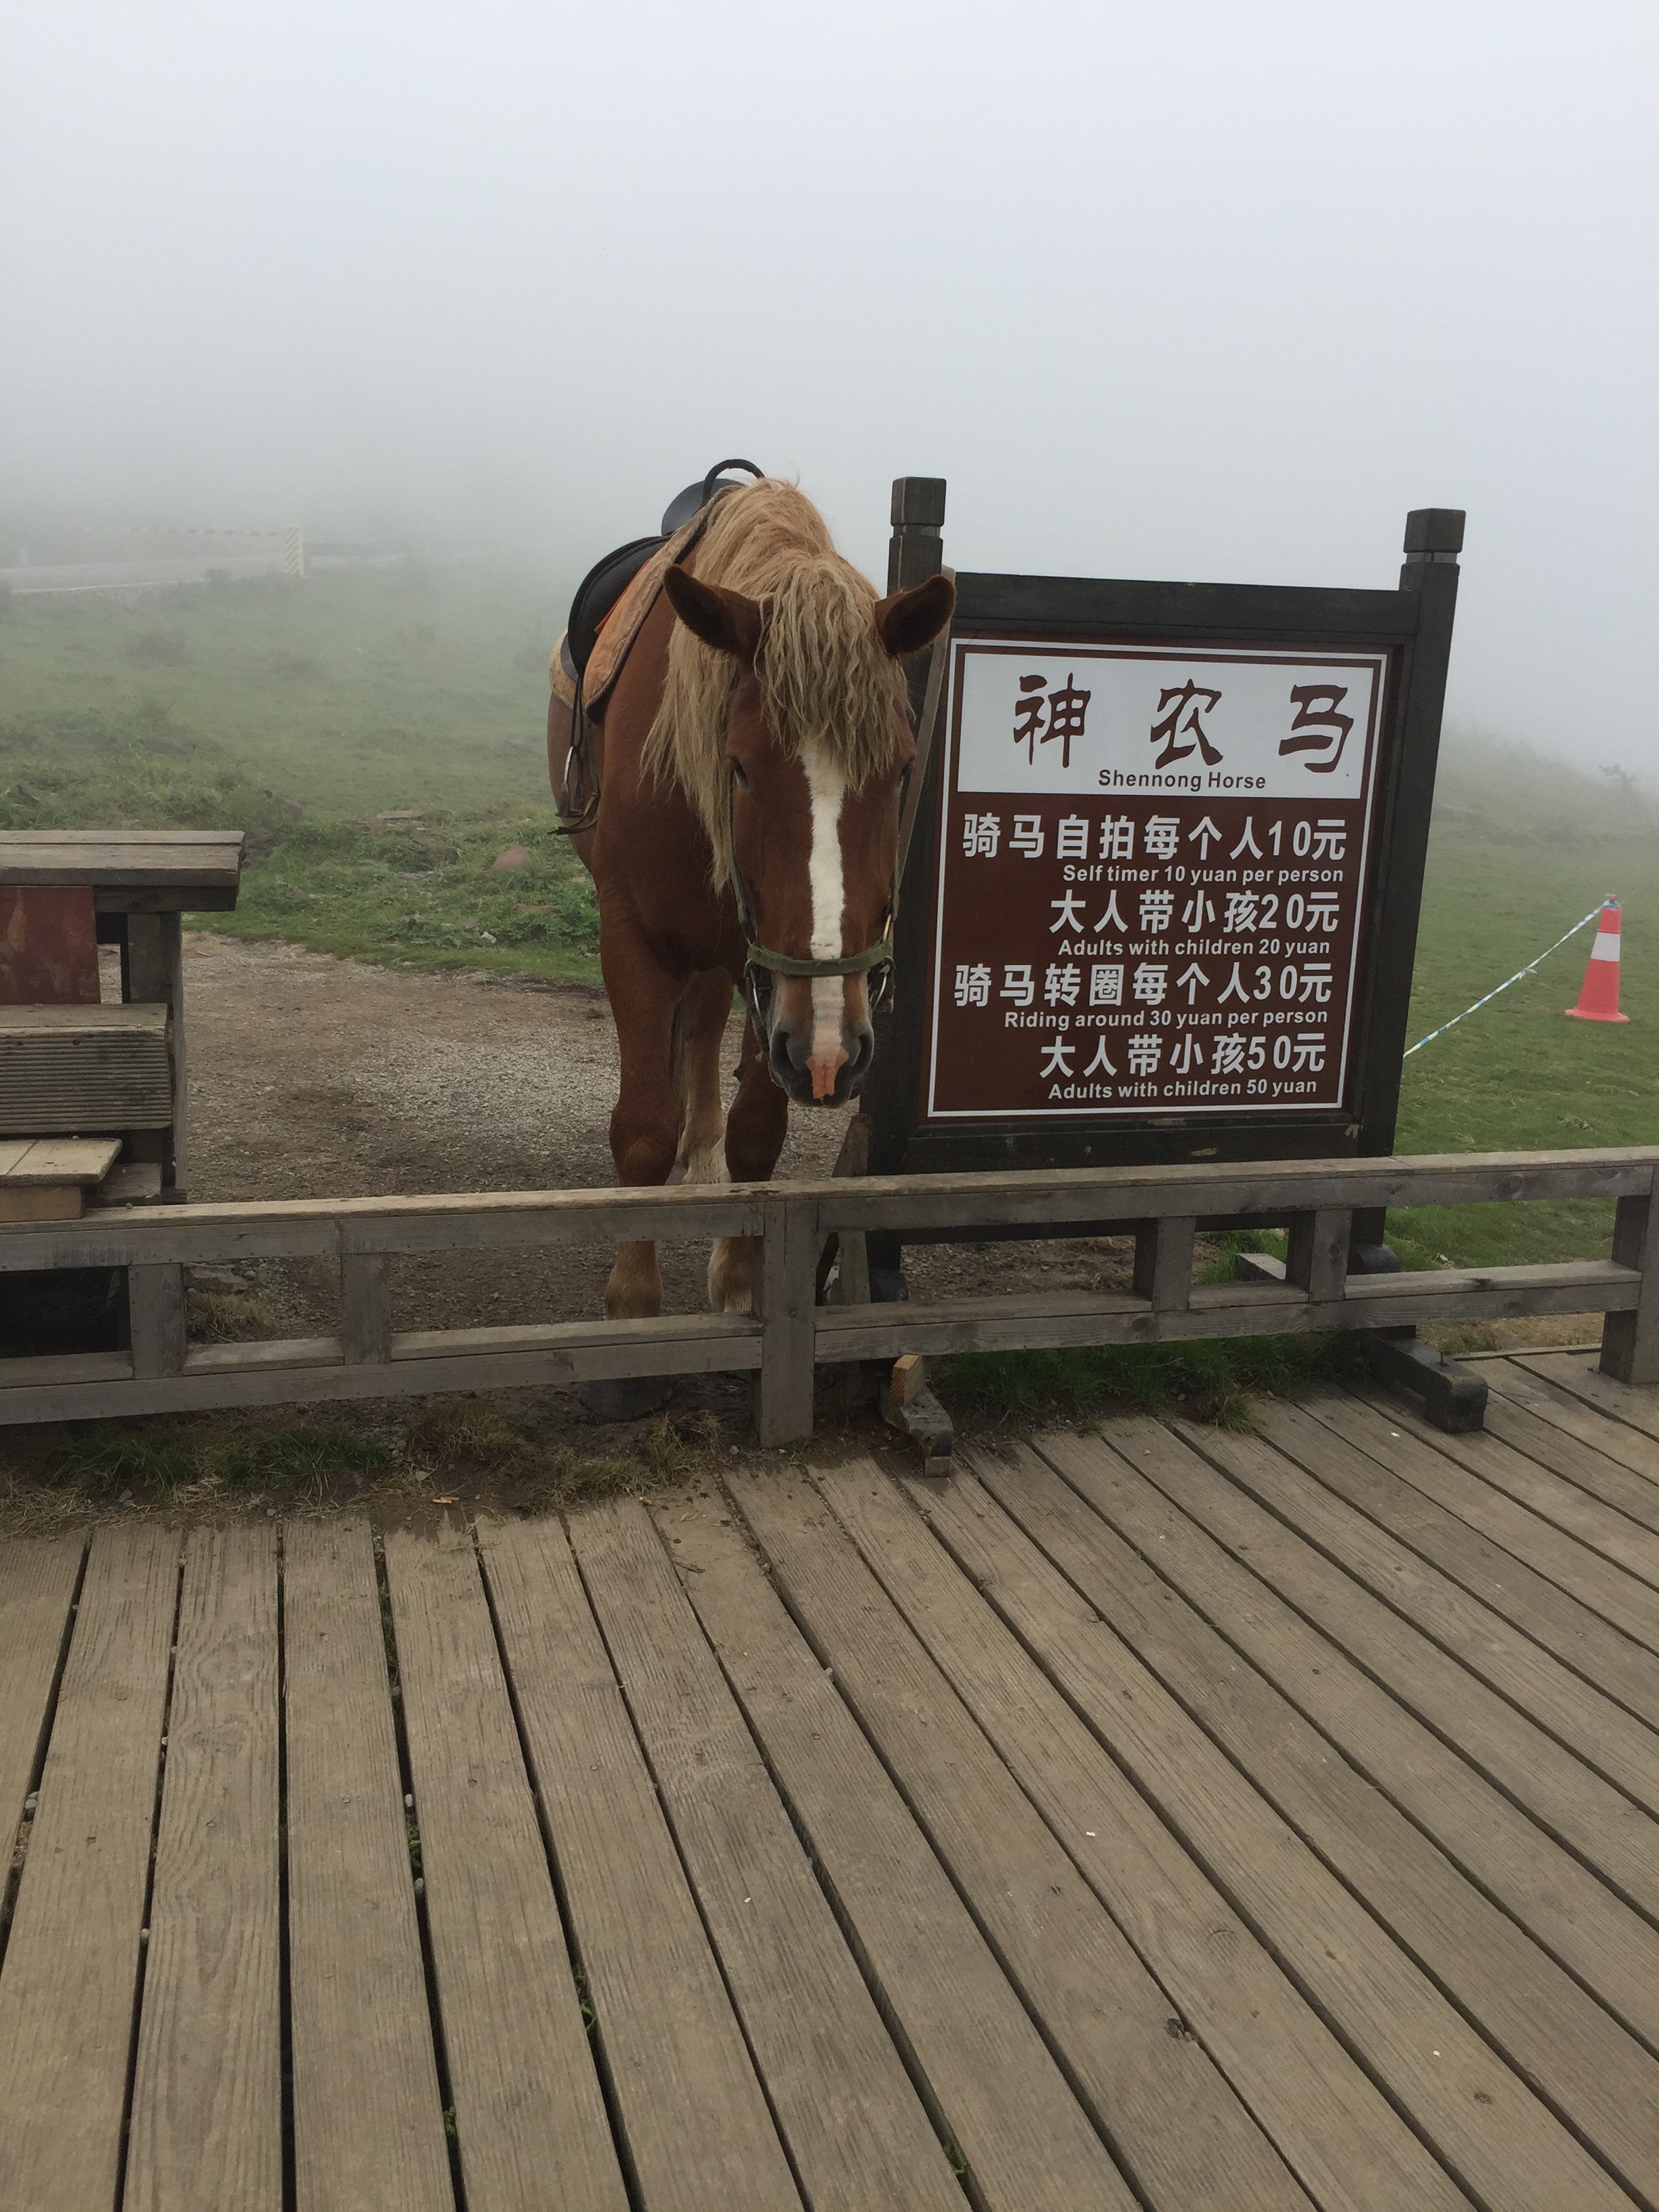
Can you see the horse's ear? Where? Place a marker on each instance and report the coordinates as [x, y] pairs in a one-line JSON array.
[[911, 619], [726, 620]]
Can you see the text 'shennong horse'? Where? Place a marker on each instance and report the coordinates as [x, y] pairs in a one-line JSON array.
[[748, 769]]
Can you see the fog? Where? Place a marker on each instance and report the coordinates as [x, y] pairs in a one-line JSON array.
[[1195, 290]]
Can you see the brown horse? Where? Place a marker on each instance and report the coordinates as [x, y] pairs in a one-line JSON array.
[[753, 754]]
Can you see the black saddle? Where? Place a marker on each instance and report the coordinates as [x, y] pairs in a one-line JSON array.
[[607, 580]]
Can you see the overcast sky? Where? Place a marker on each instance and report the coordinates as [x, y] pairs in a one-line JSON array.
[[1190, 290]]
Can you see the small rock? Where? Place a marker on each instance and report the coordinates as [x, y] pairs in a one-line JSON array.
[[514, 857]]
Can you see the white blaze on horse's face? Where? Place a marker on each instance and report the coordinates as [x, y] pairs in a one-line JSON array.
[[827, 786]]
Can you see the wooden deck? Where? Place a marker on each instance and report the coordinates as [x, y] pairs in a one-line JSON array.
[[1184, 1820]]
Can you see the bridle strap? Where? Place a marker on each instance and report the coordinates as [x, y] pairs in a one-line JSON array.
[[850, 963]]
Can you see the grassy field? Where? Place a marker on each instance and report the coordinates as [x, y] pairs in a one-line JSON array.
[[301, 712]]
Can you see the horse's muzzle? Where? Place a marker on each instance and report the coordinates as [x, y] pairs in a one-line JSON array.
[[790, 1051]]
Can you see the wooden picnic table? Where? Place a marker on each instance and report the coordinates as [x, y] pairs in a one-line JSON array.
[[1165, 1817]]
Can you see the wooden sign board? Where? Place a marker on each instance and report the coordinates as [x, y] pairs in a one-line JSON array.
[[1160, 901]]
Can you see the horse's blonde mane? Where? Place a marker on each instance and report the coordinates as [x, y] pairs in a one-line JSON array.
[[827, 682]]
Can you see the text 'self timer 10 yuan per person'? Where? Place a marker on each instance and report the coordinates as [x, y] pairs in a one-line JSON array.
[[1151, 873]]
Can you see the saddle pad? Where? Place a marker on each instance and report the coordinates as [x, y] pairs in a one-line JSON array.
[[620, 628]]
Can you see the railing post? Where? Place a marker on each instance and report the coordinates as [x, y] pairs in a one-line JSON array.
[[1316, 1255], [787, 1285], [1163, 1262], [156, 1319], [1630, 1341], [366, 1308]]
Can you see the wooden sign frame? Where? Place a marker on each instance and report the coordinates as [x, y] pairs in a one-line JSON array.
[[1414, 622]]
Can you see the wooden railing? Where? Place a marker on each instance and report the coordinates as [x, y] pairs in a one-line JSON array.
[[789, 1335]]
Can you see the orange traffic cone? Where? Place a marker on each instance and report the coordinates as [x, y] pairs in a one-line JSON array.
[[1598, 1001]]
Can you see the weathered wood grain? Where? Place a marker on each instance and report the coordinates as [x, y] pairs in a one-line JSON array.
[[37, 1589], [1326, 1437], [1411, 1453], [787, 1267], [1565, 1505], [530, 2118], [1622, 1749], [857, 2135], [1175, 2125], [1634, 1447], [366, 1308], [368, 2129], [1561, 1794], [1552, 2032], [996, 2092], [155, 1311], [1537, 1437], [696, 2126], [1637, 1406], [207, 2101], [1458, 2095], [71, 1965]]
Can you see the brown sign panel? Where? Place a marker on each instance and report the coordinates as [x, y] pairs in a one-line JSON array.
[[1153, 861]]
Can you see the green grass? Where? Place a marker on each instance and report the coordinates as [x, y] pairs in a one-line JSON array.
[[358, 694], [1211, 1380], [298, 713]]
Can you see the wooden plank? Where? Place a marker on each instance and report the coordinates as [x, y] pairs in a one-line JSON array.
[[1205, 1187], [155, 1315], [1636, 1407], [857, 2135], [37, 1590], [1342, 1454], [1412, 1454], [1406, 2036], [368, 2130], [1316, 1255], [1636, 1496], [1622, 1749], [1550, 2032], [71, 1965], [1612, 1438], [1630, 1341], [1164, 1263], [1598, 1528], [147, 1023], [1597, 1822], [1560, 1902], [60, 1159], [1014, 1838], [786, 1287], [999, 1321], [296, 1370], [696, 2126], [701, 1343], [35, 1204], [366, 1307], [530, 2118], [996, 2092], [207, 2100]]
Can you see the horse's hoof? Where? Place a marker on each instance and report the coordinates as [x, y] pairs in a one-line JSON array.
[[628, 1398]]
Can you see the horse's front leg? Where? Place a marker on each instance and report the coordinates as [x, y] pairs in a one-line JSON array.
[[755, 1130], [645, 1126]]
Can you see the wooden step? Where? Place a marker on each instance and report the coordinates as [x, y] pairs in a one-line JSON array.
[[71, 1071], [49, 1178]]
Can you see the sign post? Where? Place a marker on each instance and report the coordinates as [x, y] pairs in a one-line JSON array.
[[1161, 898]]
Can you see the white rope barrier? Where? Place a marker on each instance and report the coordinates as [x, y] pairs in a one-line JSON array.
[[1520, 972]]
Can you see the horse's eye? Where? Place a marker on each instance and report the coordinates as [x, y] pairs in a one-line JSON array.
[[738, 771]]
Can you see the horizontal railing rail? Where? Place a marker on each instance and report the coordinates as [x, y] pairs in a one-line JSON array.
[[789, 1335]]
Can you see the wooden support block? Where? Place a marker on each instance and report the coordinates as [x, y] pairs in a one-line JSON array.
[[909, 1376], [42, 1202], [787, 1282], [156, 1313], [1316, 1260], [1630, 1341], [1163, 1262], [366, 1307]]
